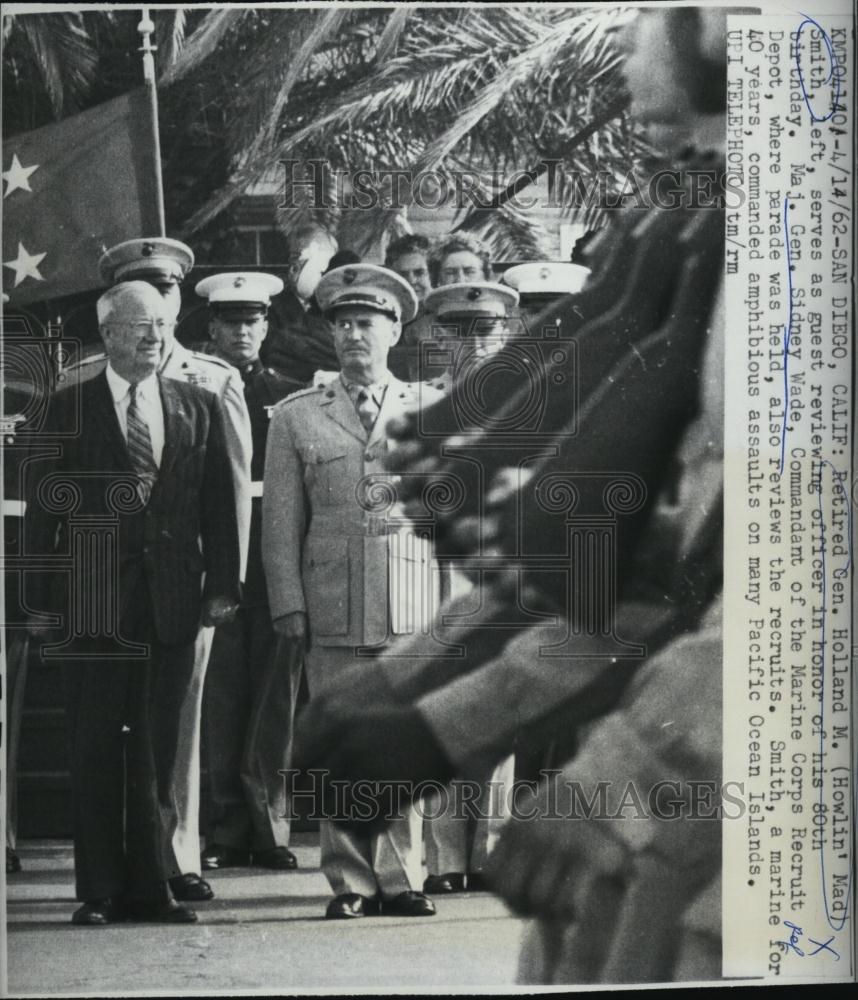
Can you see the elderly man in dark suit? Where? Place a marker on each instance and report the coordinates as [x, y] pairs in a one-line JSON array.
[[142, 467]]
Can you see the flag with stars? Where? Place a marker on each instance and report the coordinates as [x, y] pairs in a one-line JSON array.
[[71, 190]]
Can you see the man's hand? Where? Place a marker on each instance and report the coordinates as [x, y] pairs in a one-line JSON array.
[[292, 626], [219, 611]]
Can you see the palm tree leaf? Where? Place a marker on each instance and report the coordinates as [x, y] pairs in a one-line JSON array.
[[392, 32], [170, 29], [62, 48], [203, 43]]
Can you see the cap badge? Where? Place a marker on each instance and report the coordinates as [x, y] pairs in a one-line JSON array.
[[474, 294], [545, 273], [238, 282], [148, 249], [349, 276]]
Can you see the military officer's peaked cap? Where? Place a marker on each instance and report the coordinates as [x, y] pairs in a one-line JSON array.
[[547, 277], [239, 290], [471, 298], [157, 258], [370, 286]]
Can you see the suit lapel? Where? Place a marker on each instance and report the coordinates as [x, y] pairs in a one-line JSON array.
[[107, 421], [337, 405], [176, 425]]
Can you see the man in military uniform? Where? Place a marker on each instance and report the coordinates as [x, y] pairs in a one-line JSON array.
[[343, 580], [164, 262], [251, 685], [540, 283]]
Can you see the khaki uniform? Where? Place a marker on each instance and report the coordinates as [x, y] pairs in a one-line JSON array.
[[359, 572]]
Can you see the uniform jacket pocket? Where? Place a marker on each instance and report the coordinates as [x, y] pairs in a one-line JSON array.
[[326, 585]]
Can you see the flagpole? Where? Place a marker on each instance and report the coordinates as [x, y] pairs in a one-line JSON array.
[[146, 28]]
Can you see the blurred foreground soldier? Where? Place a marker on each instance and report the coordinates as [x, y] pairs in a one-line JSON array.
[[150, 457], [614, 900], [163, 263], [342, 579], [251, 686], [471, 326]]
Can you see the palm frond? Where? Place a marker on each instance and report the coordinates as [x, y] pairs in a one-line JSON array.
[[170, 28], [392, 32], [64, 53], [203, 43]]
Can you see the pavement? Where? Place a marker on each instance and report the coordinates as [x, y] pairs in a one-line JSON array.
[[264, 931]]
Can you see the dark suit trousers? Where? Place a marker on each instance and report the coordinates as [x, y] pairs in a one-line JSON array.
[[123, 780], [248, 709]]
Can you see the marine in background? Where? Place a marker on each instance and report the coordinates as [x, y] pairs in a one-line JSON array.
[[252, 680]]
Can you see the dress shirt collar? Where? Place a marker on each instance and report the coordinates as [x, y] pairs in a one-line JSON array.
[[147, 389], [375, 389]]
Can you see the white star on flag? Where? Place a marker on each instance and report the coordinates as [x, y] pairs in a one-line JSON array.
[[17, 176], [26, 265]]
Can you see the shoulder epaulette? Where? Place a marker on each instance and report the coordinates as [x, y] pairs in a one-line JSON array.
[[212, 360], [299, 394]]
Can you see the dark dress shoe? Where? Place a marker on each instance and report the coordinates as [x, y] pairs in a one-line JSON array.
[[440, 885], [478, 882], [350, 905], [169, 912], [278, 858], [13, 862], [191, 888], [97, 913], [408, 904], [220, 856]]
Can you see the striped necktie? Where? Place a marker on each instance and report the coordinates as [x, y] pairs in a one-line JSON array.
[[140, 448], [367, 409]]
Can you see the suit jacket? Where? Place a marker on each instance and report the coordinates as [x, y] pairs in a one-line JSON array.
[[187, 527], [218, 377], [360, 576]]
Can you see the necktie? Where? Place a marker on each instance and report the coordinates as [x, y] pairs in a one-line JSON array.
[[367, 409], [140, 448]]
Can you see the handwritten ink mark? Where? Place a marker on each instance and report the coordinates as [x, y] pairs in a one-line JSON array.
[[831, 64], [792, 945]]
